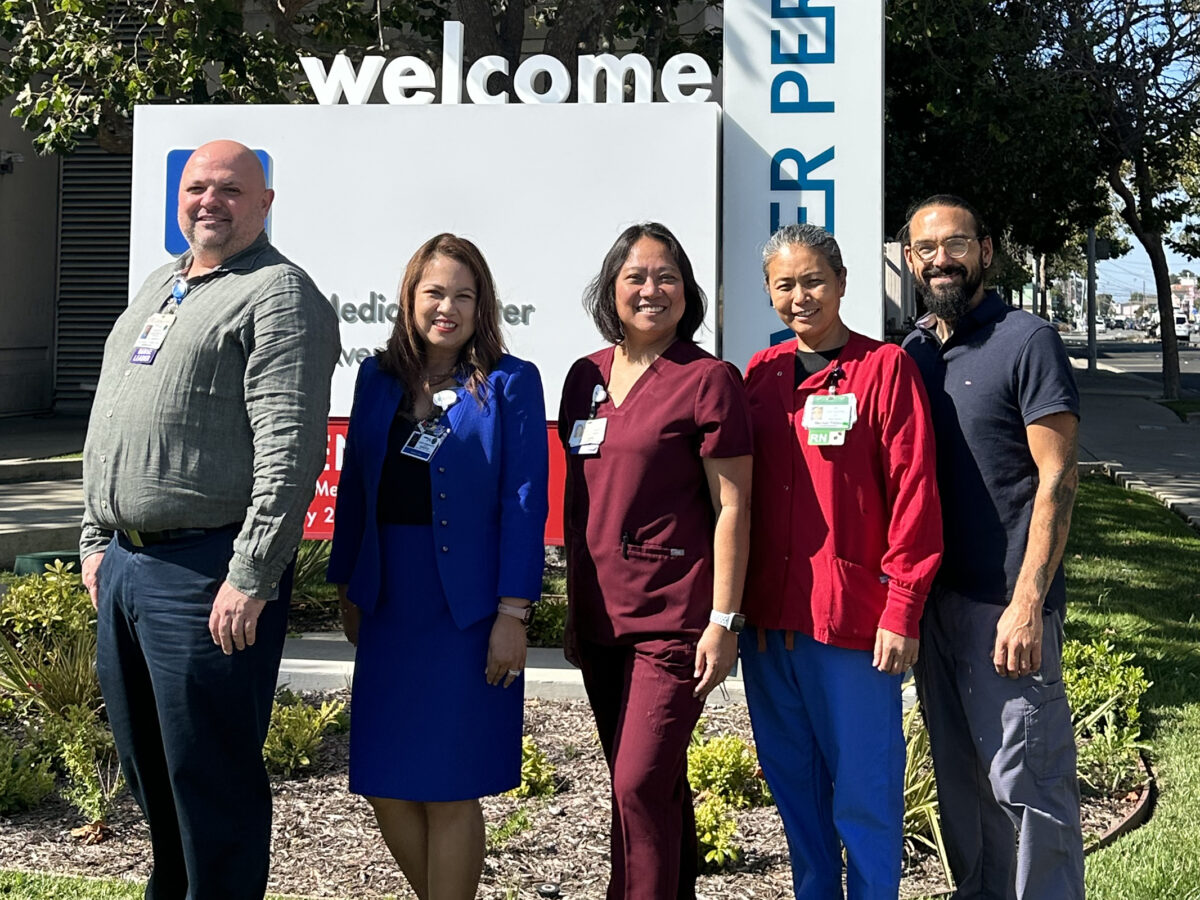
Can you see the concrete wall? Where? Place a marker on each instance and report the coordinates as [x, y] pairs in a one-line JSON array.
[[28, 249]]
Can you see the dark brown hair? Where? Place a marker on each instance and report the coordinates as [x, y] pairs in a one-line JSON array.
[[404, 356], [600, 298]]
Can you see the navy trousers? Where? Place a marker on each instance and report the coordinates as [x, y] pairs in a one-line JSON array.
[[189, 721]]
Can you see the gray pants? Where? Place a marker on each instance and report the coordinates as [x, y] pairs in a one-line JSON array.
[[1004, 758]]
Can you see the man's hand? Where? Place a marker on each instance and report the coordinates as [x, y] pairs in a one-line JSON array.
[[894, 653], [716, 653], [90, 571], [1018, 650], [234, 619]]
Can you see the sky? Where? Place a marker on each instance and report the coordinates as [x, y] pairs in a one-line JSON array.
[[1120, 277]]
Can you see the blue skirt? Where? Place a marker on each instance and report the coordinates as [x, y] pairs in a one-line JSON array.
[[424, 723]]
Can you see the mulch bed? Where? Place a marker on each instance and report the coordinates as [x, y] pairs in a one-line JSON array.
[[326, 843]]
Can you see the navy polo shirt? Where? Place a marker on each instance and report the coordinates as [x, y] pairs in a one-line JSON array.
[[1001, 370]]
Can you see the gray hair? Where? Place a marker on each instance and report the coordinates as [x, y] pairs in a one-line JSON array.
[[813, 236]]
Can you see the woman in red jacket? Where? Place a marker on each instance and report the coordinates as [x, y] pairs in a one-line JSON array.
[[846, 536]]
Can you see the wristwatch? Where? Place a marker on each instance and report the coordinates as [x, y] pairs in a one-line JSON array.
[[731, 621], [524, 613]]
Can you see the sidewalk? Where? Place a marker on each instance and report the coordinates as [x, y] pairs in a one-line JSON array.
[[1140, 443]]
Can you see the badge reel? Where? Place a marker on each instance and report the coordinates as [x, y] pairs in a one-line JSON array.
[[588, 434], [154, 332], [827, 417], [430, 432]]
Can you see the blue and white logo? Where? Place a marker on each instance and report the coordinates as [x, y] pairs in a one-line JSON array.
[[173, 238]]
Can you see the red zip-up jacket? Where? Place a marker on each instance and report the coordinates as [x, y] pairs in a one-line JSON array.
[[843, 539]]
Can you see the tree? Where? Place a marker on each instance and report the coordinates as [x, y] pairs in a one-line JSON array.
[[975, 106], [1140, 63], [77, 68]]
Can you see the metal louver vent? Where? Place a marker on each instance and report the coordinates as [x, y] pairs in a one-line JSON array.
[[93, 268]]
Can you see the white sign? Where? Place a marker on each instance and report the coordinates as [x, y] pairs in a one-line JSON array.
[[544, 191], [803, 142]]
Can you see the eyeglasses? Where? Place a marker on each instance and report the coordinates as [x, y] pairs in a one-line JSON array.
[[956, 248]]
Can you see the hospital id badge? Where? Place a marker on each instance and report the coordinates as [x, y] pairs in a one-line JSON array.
[[834, 412], [587, 435], [424, 442], [154, 332]]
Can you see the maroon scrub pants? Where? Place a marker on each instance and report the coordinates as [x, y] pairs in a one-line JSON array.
[[641, 696]]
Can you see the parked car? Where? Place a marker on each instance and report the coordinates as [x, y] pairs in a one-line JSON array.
[[1100, 326], [1183, 328]]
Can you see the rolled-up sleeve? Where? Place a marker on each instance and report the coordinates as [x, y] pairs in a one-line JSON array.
[[292, 345]]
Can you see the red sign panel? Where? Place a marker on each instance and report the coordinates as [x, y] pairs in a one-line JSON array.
[[318, 524]]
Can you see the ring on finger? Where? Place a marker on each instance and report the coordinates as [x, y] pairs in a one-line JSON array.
[[514, 672]]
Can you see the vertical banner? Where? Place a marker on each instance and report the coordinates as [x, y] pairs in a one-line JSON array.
[[803, 142]]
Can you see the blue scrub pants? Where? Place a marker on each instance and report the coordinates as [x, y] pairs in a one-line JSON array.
[[189, 721], [831, 744]]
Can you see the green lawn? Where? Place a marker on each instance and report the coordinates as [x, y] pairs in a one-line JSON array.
[[1133, 573], [1182, 407]]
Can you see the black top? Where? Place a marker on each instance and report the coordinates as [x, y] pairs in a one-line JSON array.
[[405, 492], [1001, 370], [810, 362]]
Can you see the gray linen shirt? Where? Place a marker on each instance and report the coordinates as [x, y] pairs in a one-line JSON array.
[[228, 425]]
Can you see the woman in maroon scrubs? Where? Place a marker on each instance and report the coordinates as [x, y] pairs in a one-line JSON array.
[[657, 433]]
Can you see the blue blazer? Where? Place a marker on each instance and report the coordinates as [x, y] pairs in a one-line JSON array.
[[489, 482]]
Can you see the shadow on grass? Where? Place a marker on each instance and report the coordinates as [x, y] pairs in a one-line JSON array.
[[1133, 579]]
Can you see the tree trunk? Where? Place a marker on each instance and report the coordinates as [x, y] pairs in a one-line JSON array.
[[1043, 288], [1166, 314]]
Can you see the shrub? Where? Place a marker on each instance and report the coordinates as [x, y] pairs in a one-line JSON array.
[[549, 618], [716, 830], [84, 746], [514, 823], [922, 827], [46, 606], [1104, 690], [312, 562], [296, 731], [537, 772], [24, 780], [52, 674], [727, 766], [1105, 693]]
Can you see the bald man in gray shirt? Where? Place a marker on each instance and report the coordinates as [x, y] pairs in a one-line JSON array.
[[206, 438]]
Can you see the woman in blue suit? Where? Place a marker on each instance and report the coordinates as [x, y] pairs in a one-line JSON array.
[[437, 553]]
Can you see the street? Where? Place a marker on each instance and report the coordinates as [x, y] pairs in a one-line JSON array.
[[1134, 353]]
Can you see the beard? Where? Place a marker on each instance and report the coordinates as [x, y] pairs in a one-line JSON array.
[[949, 304]]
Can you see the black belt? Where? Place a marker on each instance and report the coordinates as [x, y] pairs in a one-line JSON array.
[[150, 538]]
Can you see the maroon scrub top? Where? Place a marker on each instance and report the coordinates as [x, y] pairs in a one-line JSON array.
[[639, 516]]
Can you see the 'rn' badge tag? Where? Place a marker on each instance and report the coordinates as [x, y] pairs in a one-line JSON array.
[[828, 417]]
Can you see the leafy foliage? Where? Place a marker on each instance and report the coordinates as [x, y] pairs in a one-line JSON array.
[[312, 562], [25, 780], [537, 772], [297, 729], [922, 827], [716, 830], [45, 606], [549, 618], [77, 68], [84, 747], [1105, 693], [727, 766], [514, 823]]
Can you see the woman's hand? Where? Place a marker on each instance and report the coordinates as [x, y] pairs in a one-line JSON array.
[[894, 653], [351, 615], [715, 655], [506, 650]]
